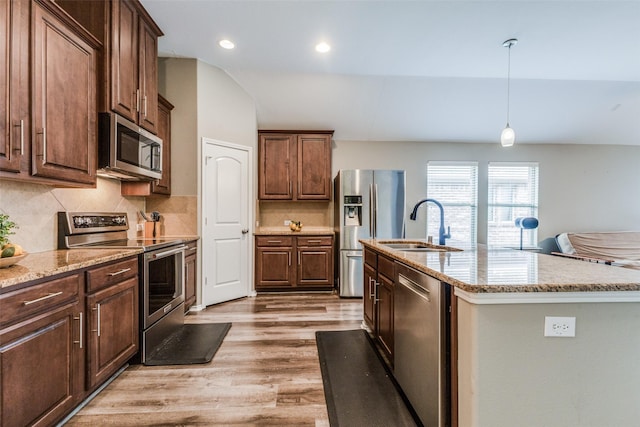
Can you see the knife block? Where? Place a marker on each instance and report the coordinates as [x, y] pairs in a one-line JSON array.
[[148, 229]]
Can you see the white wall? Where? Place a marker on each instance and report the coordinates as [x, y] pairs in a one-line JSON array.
[[582, 187]]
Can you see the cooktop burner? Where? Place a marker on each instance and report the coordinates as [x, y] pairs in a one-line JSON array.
[[95, 230]]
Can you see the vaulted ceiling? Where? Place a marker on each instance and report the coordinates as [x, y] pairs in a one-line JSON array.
[[424, 70]]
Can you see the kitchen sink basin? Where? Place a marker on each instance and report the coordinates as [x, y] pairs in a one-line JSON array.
[[417, 247]]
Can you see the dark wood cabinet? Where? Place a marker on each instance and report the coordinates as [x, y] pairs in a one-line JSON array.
[[274, 267], [315, 262], [65, 139], [378, 286], [294, 165], [48, 124], [112, 318], [41, 352], [190, 274], [129, 68], [294, 263], [14, 87], [163, 185]]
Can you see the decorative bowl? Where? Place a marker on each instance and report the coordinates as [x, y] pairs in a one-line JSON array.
[[9, 261]]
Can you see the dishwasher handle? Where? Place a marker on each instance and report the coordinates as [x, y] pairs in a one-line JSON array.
[[414, 287]]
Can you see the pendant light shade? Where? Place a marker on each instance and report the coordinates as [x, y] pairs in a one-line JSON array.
[[508, 135]]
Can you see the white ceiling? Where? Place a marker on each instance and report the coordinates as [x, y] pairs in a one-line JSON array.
[[424, 70]]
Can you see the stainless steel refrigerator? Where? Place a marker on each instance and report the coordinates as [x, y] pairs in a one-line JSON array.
[[368, 204]]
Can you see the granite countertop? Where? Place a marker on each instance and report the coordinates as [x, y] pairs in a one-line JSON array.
[[45, 264], [273, 231], [480, 269]]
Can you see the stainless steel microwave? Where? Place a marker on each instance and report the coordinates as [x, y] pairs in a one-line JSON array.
[[126, 151]]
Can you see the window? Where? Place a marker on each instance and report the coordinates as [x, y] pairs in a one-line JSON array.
[[455, 185], [513, 193]]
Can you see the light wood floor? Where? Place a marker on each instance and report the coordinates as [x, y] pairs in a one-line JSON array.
[[265, 373]]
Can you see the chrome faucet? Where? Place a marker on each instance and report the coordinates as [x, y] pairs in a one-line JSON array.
[[441, 235]]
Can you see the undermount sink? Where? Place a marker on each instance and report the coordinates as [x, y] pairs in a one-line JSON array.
[[417, 247]]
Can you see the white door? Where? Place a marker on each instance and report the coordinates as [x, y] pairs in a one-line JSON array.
[[226, 180]]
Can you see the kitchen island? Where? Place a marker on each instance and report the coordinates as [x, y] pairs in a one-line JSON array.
[[507, 372]]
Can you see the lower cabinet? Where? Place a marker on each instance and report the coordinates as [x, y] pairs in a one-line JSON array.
[[190, 274], [378, 286], [42, 355], [112, 318], [63, 337], [294, 263]]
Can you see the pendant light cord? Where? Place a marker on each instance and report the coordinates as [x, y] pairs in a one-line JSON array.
[[508, 82]]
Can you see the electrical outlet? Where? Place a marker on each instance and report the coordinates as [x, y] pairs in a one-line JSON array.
[[559, 326], [287, 222], [139, 227]]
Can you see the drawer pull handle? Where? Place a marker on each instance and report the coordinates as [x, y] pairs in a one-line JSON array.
[[80, 330], [314, 241], [274, 241], [124, 270], [98, 320], [51, 295], [192, 249]]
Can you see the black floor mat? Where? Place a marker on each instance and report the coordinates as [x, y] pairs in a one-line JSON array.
[[358, 389], [193, 343]]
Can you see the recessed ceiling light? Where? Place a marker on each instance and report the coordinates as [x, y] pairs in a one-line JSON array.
[[323, 47], [226, 44]]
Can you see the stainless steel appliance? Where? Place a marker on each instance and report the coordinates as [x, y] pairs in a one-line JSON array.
[[421, 344], [126, 151], [368, 204], [160, 269]]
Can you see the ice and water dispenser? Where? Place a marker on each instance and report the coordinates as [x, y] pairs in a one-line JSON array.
[[352, 210]]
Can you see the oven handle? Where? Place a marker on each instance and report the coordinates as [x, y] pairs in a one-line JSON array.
[[169, 252]]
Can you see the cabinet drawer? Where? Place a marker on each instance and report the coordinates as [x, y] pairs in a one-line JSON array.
[[274, 241], [386, 267], [371, 258], [15, 306], [315, 241], [101, 277]]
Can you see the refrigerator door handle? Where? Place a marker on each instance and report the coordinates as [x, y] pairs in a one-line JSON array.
[[371, 217], [375, 211]]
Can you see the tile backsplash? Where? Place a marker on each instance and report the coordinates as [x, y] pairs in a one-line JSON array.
[[178, 214], [313, 214], [34, 208]]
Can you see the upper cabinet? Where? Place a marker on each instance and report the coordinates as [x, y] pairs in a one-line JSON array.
[[48, 120], [294, 165], [163, 185], [129, 61]]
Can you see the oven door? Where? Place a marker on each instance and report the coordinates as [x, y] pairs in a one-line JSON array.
[[162, 282]]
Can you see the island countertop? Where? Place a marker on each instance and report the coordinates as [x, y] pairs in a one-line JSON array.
[[479, 269]]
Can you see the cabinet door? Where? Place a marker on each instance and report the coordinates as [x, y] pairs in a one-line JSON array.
[[314, 167], [190, 266], [14, 88], [163, 185], [384, 318], [277, 168], [368, 297], [41, 368], [112, 329], [64, 100], [148, 75], [125, 98], [315, 267], [273, 267]]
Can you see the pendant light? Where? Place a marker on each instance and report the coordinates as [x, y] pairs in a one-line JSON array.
[[508, 136]]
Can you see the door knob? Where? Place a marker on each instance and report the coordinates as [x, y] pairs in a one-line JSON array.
[[245, 230]]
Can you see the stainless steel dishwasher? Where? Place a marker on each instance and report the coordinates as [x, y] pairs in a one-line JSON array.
[[421, 344]]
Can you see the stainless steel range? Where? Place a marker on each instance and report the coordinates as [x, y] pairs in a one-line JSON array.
[[160, 269]]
